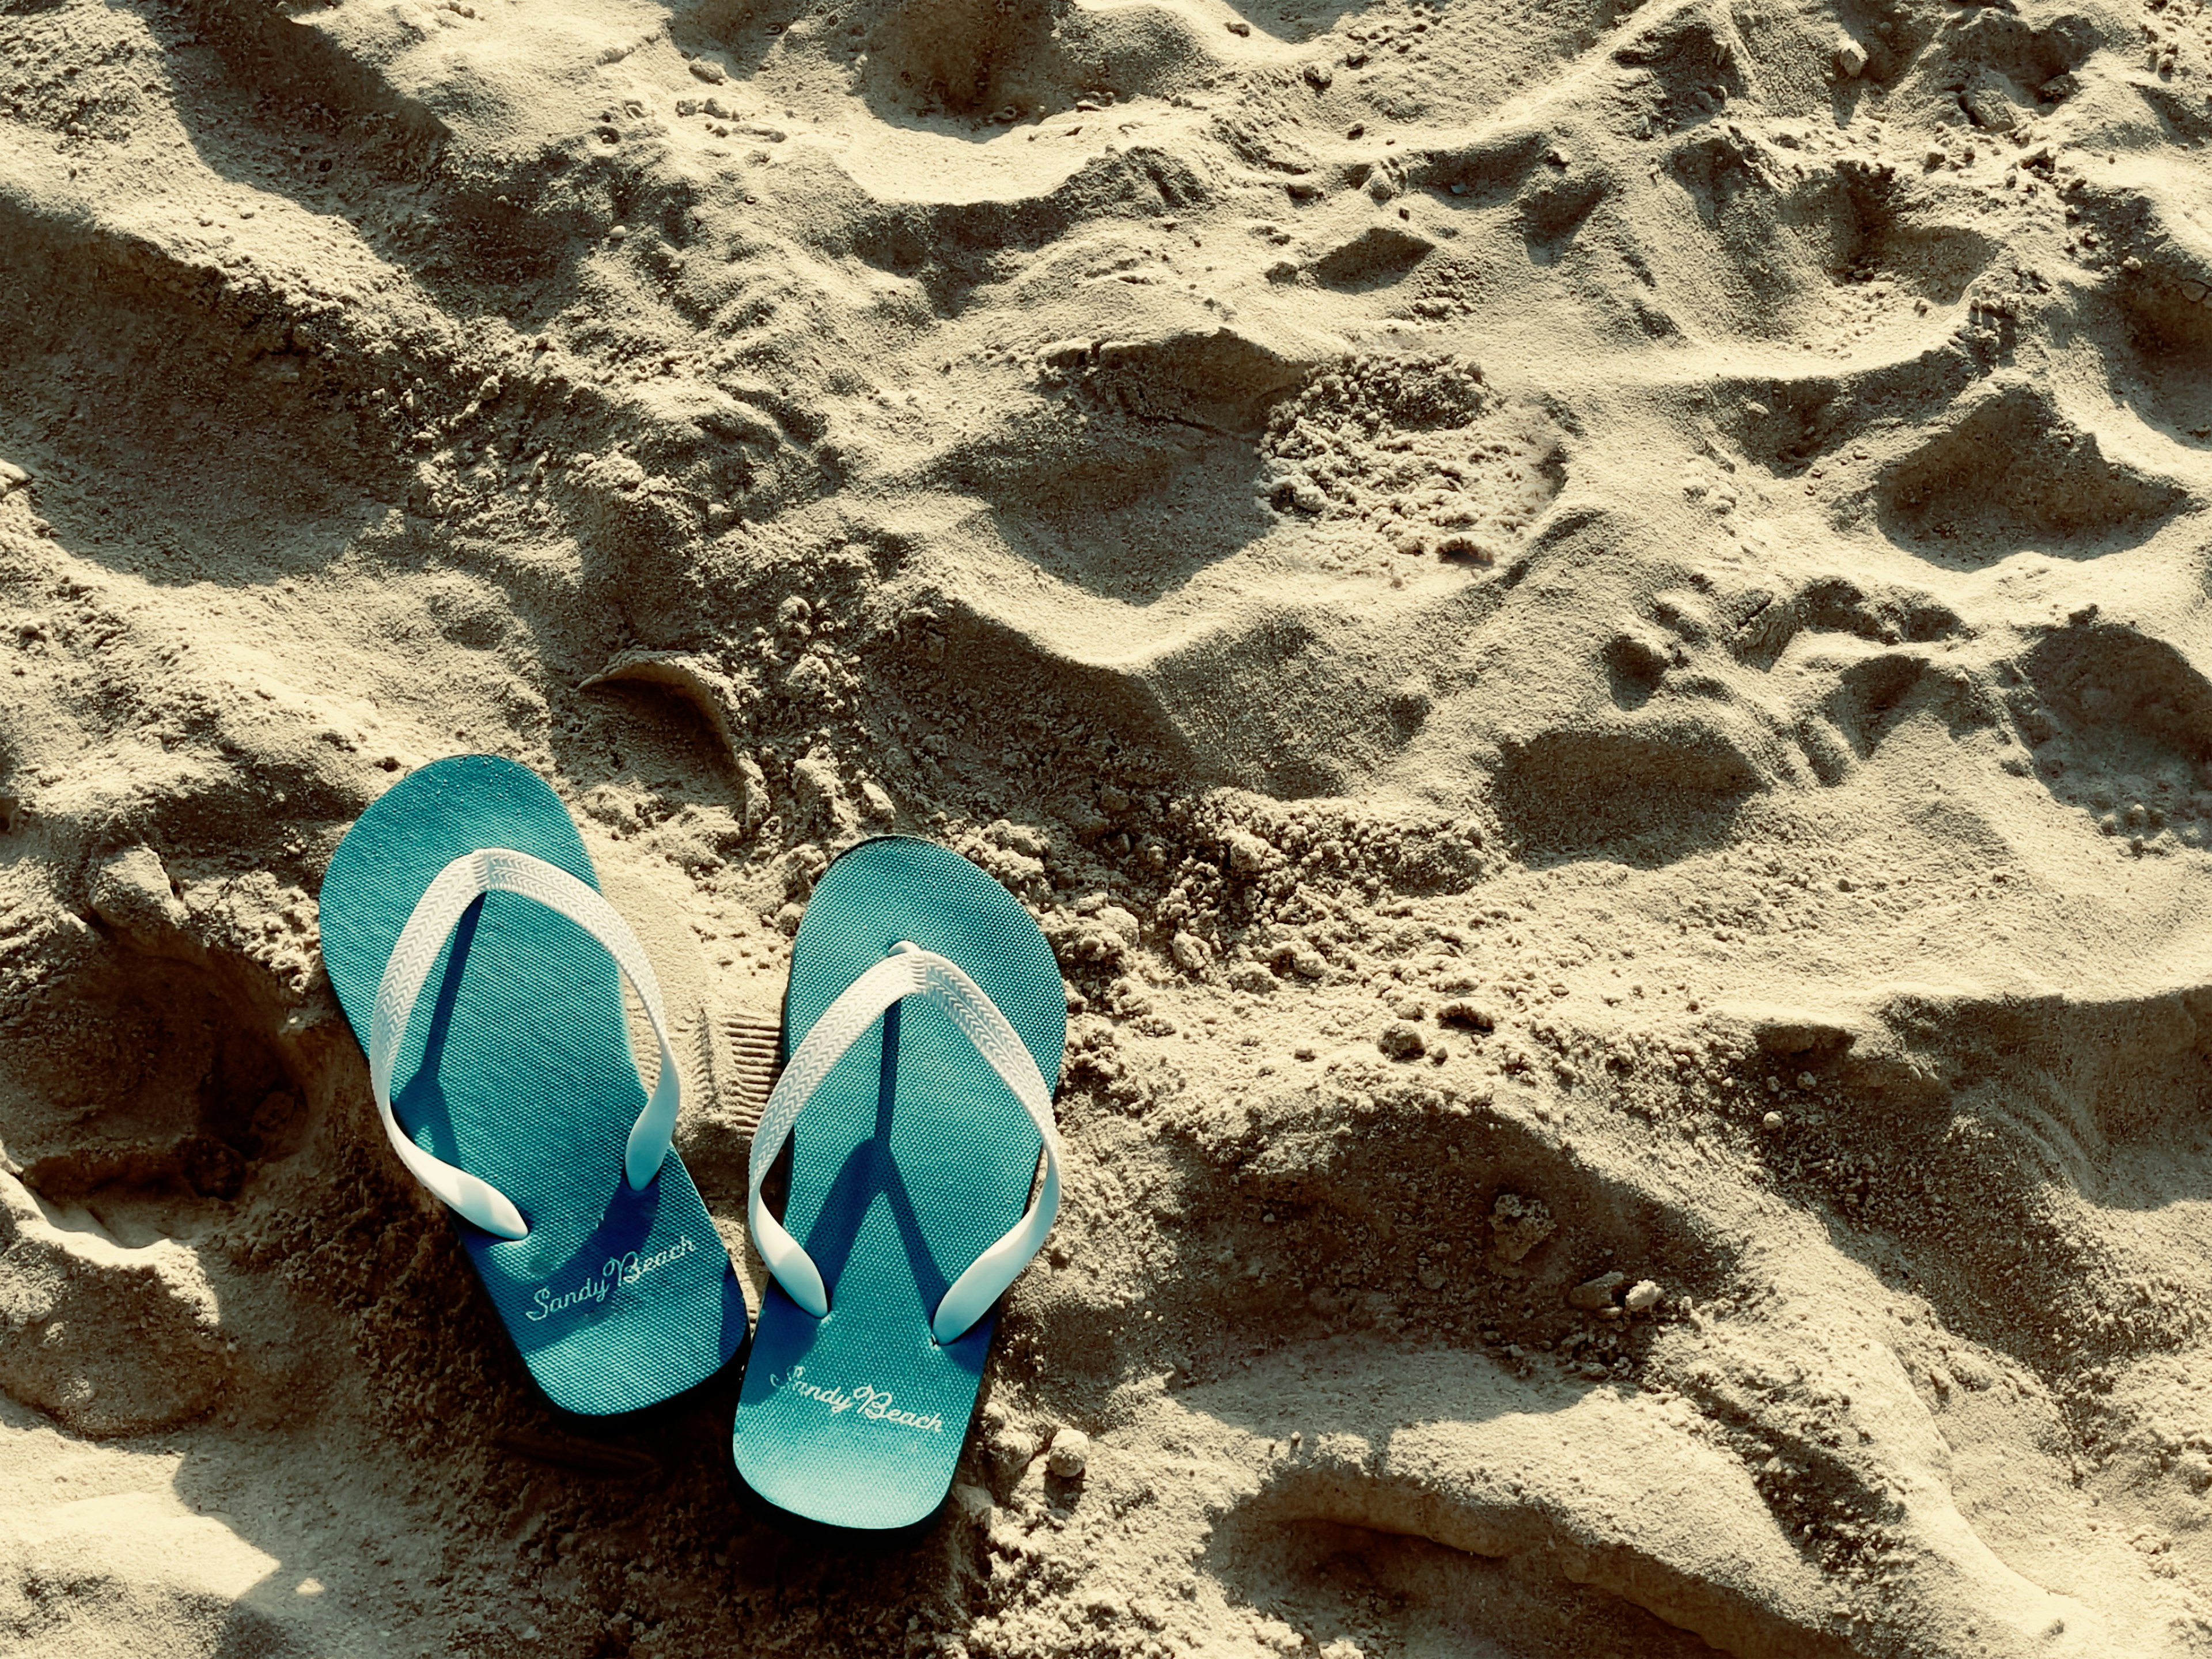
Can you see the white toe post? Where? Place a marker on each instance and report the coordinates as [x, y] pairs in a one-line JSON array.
[[908, 971], [500, 869]]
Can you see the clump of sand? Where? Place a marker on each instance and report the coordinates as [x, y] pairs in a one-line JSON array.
[[1584, 624]]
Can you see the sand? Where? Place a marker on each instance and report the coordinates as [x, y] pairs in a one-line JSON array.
[[1585, 624]]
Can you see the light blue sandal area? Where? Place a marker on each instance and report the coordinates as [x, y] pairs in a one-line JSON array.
[[923, 1028], [466, 939]]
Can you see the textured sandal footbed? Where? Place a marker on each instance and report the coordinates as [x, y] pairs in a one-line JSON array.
[[911, 1158], [518, 1068]]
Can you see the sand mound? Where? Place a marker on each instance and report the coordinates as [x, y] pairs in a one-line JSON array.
[[110, 1340], [2010, 474], [1584, 624]]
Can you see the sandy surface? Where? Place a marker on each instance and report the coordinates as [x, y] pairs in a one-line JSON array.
[[1586, 625]]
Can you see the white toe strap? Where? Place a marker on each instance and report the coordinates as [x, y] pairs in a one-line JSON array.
[[908, 971], [500, 869]]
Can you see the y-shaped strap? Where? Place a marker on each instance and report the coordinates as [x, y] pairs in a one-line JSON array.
[[909, 971], [498, 869]]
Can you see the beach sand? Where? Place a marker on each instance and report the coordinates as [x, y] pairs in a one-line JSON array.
[[1585, 624]]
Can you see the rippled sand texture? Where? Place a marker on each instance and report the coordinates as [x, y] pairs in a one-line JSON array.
[[1586, 625]]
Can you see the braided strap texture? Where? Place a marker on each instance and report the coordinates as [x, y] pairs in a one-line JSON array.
[[459, 885], [908, 971]]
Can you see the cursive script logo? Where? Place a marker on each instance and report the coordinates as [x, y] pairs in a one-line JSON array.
[[874, 1404], [620, 1270]]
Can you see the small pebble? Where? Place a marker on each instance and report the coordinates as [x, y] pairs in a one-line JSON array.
[[1470, 1015], [1401, 1040], [1070, 1454], [1642, 1297], [1011, 1450], [1594, 1293], [1773, 1120]]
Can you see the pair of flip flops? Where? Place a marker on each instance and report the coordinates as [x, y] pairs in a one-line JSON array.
[[482, 969]]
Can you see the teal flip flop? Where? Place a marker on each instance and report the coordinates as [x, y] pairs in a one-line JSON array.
[[924, 1027], [511, 1092]]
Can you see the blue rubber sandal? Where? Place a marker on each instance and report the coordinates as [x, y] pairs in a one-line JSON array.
[[924, 1026], [512, 1093]]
